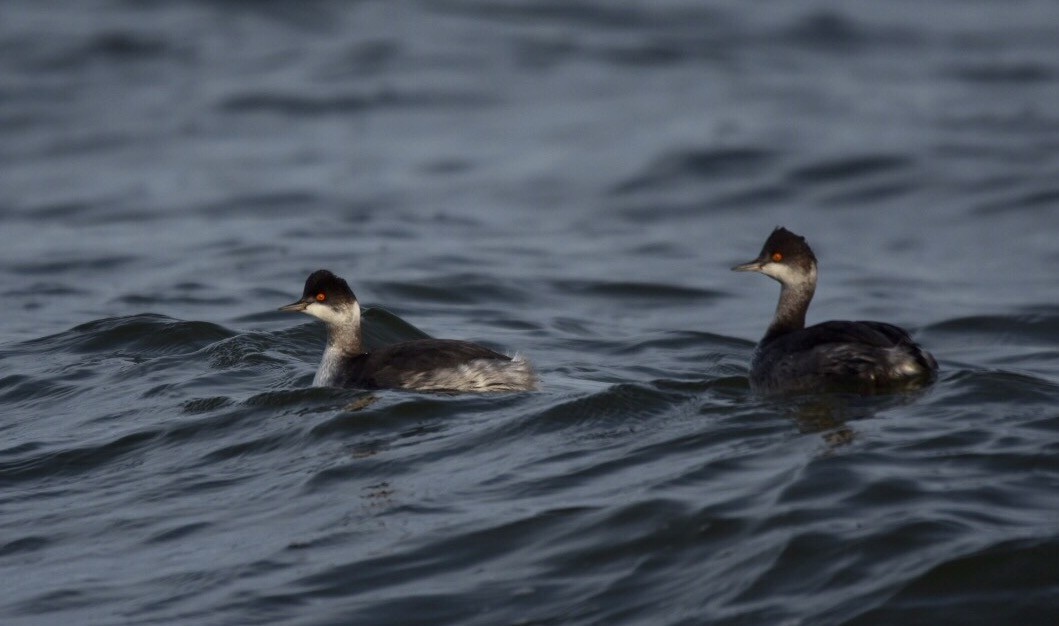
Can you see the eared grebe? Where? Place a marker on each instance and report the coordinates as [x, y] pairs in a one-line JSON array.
[[422, 364], [863, 357]]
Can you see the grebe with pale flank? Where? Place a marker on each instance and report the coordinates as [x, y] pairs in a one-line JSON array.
[[445, 365]]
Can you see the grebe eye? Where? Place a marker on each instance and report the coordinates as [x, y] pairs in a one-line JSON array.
[[777, 257], [320, 297]]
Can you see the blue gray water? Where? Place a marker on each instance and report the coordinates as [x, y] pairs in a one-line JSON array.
[[567, 179]]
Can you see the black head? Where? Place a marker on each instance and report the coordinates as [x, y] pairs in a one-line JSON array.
[[783, 257], [324, 283], [324, 288]]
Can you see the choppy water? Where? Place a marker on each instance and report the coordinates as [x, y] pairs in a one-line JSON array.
[[566, 179]]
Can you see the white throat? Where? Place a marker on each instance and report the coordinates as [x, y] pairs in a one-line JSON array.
[[343, 338]]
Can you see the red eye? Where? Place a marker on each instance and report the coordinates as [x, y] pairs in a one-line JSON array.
[[320, 297], [776, 258]]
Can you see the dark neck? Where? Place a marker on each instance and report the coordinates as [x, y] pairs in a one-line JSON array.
[[790, 311]]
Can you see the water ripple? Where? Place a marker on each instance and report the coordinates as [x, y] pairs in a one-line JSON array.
[[571, 179]]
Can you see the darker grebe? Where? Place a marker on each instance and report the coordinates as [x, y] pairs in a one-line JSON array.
[[422, 364], [863, 357]]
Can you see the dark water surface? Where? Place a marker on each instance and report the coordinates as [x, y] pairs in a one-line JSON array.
[[571, 180]]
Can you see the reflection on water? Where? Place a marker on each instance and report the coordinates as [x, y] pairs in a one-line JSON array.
[[830, 414]]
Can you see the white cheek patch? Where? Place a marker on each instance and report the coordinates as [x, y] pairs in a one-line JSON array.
[[331, 315], [779, 271], [786, 274]]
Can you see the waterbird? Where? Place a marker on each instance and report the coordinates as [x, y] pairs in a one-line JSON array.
[[442, 365], [860, 357]]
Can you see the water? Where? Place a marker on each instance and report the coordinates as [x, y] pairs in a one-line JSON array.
[[567, 179]]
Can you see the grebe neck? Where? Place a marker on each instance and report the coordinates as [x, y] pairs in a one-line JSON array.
[[793, 304]]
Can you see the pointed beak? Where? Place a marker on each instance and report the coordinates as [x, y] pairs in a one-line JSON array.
[[296, 307], [752, 266]]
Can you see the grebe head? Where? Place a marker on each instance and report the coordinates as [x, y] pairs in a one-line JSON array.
[[786, 258], [327, 297]]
